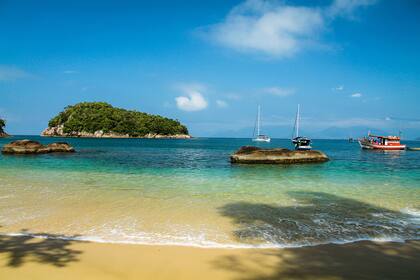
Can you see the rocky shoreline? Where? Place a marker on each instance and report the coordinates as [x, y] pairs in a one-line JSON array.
[[255, 155], [57, 131]]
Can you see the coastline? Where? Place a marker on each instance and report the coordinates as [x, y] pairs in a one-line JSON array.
[[58, 131], [62, 259], [157, 136]]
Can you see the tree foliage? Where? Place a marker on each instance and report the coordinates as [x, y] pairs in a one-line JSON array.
[[2, 125], [94, 116]]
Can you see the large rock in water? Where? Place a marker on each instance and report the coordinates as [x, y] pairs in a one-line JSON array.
[[34, 147], [250, 154]]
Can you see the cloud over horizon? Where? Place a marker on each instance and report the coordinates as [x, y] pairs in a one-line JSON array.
[[276, 29], [193, 99]]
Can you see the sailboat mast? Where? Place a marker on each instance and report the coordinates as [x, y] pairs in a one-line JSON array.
[[258, 120], [297, 120]]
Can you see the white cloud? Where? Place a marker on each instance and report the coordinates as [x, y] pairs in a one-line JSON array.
[[12, 73], [193, 99], [346, 8], [276, 29], [338, 88], [221, 103], [277, 91], [356, 95]]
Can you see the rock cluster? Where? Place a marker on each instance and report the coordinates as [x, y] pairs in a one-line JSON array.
[[57, 131], [255, 155], [34, 147]]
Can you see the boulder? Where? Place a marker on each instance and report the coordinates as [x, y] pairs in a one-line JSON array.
[[34, 147], [60, 147], [255, 155]]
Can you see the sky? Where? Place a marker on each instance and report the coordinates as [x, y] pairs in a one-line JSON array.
[[352, 65]]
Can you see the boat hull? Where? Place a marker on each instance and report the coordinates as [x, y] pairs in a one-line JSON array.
[[303, 148], [261, 140], [370, 146]]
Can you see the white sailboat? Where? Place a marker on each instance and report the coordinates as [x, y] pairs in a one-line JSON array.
[[260, 137], [300, 142]]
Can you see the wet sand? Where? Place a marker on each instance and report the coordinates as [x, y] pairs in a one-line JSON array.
[[31, 258]]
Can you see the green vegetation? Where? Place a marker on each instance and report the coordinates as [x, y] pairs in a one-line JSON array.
[[93, 116], [2, 125]]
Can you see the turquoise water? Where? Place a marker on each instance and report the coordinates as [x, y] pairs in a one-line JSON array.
[[186, 192]]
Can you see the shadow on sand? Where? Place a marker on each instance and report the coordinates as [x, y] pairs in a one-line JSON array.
[[50, 249], [321, 218]]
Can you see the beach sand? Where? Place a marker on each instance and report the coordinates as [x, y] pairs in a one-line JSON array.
[[31, 258]]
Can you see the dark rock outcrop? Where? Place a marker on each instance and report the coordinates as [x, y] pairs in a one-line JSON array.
[[34, 147], [255, 155]]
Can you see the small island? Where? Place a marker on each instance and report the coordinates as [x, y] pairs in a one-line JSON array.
[[255, 155], [2, 126], [100, 119]]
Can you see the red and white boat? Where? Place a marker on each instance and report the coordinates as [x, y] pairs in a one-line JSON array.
[[388, 143]]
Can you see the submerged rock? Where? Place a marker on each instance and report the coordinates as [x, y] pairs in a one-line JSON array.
[[60, 147], [34, 147], [255, 155]]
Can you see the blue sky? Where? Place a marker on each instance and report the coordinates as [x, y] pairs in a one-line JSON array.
[[351, 64]]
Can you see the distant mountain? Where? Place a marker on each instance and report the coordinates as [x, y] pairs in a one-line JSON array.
[[347, 132], [247, 132], [328, 133]]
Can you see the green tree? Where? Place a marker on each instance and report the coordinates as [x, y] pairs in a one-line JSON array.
[[93, 116], [2, 125]]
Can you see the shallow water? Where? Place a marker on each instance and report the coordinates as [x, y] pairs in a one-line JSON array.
[[186, 192]]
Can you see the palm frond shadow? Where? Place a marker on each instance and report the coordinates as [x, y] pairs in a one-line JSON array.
[[50, 249], [321, 218]]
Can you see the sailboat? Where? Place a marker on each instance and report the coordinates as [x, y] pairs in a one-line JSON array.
[[300, 142], [260, 137]]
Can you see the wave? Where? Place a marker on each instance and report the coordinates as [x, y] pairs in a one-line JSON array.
[[206, 244]]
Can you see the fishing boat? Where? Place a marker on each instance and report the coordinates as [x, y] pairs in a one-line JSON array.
[[376, 142], [300, 142], [258, 137]]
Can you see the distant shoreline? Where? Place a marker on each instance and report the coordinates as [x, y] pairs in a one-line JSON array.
[[191, 137], [119, 137]]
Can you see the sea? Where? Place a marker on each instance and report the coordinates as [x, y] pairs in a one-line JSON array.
[[187, 193]]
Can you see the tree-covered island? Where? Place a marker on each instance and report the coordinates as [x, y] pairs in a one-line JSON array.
[[100, 119], [2, 126]]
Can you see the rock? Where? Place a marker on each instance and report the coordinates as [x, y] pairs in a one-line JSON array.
[[57, 131], [255, 155], [4, 135], [53, 131], [34, 147], [60, 147]]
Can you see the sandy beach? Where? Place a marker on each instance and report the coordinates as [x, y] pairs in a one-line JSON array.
[[31, 258]]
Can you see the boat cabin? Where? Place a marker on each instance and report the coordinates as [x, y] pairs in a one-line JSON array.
[[381, 142]]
